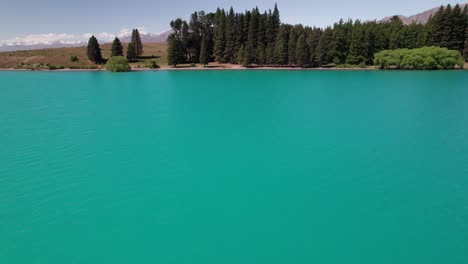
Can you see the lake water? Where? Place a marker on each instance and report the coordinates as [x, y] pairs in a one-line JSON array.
[[220, 167]]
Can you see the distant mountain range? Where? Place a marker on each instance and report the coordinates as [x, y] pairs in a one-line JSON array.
[[160, 38], [145, 38], [421, 17]]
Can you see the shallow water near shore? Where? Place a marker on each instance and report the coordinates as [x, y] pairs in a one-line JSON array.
[[234, 167]]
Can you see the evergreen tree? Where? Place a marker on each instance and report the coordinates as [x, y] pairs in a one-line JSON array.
[[175, 52], [269, 53], [465, 51], [248, 58], [313, 38], [195, 39], [204, 52], [280, 53], [230, 37], [220, 41], [339, 44], [260, 56], [137, 44], [302, 51], [94, 51], [275, 23], [324, 47], [292, 46], [131, 52], [458, 29], [175, 49], [395, 34], [357, 49], [240, 55], [117, 48], [252, 37]]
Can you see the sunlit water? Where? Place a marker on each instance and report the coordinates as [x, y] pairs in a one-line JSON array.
[[223, 167]]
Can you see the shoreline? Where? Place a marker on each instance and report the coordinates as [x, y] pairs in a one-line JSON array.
[[210, 68], [217, 67]]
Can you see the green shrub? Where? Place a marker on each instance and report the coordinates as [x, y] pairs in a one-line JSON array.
[[118, 64], [152, 64], [426, 58], [74, 59]]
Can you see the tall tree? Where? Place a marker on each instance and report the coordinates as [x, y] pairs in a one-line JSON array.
[[175, 50], [136, 41], [302, 51], [292, 46], [324, 47], [357, 49], [229, 32], [249, 56], [117, 48], [204, 52], [280, 52], [220, 36], [94, 51], [252, 36], [131, 52]]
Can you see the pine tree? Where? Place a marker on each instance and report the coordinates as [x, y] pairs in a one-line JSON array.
[[396, 33], [324, 47], [458, 29], [230, 37], [240, 55], [248, 58], [220, 40], [269, 54], [252, 36], [117, 48], [131, 52], [280, 52], [204, 52], [357, 50], [313, 38], [195, 41], [292, 46], [175, 53], [446, 24], [137, 44], [465, 51], [339, 44], [302, 51], [275, 21], [260, 56], [94, 51]]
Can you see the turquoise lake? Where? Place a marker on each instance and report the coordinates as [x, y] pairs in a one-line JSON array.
[[230, 167]]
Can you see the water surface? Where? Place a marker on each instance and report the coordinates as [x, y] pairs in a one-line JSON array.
[[234, 167]]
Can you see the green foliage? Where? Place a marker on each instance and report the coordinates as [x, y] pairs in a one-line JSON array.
[[152, 64], [175, 51], [253, 38], [137, 44], [74, 59], [118, 64], [204, 52], [426, 58], [131, 52], [117, 48], [94, 51]]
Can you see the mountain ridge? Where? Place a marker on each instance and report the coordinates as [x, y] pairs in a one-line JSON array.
[[422, 17]]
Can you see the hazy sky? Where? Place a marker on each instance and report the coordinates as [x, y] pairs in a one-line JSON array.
[[19, 18]]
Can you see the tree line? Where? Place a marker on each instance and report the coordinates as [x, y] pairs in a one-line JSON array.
[[254, 38], [134, 49]]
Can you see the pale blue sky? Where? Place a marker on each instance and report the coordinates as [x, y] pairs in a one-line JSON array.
[[24, 17]]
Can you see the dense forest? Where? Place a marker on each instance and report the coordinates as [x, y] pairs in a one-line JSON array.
[[254, 38]]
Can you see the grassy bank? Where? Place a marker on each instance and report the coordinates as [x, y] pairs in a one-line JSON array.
[[74, 58]]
